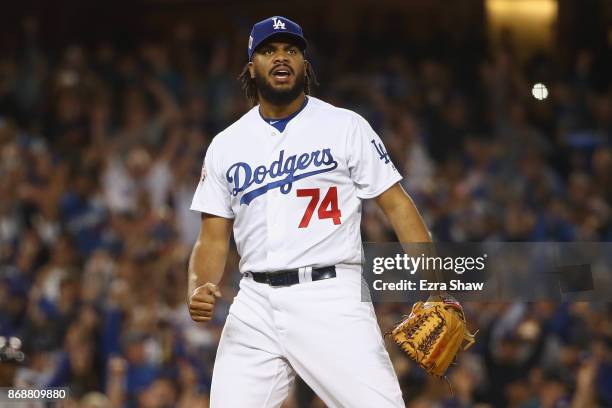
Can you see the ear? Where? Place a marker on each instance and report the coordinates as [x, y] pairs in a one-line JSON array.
[[251, 70]]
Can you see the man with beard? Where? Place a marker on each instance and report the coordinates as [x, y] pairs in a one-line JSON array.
[[289, 177]]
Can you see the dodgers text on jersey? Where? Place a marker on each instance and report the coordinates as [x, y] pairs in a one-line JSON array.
[[242, 176]]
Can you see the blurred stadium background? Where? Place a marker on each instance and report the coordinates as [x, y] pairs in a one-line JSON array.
[[107, 108]]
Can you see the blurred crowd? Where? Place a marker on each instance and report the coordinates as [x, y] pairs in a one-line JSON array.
[[101, 148]]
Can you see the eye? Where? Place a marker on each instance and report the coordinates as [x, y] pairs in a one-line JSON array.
[[268, 51], [292, 51]]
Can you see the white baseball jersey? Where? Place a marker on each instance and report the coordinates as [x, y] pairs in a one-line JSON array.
[[295, 196]]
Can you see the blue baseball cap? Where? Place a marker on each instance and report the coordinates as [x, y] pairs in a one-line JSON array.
[[276, 25]]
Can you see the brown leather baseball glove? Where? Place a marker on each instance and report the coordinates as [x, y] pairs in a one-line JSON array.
[[433, 333]]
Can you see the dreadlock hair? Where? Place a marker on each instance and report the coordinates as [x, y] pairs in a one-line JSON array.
[[250, 89]]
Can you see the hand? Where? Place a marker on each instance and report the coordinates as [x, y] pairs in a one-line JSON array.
[[202, 302]]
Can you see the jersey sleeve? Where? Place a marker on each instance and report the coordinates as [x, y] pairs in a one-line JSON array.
[[370, 166], [212, 195]]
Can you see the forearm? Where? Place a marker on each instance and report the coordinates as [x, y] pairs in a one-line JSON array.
[[408, 226], [410, 229], [206, 264], [407, 222]]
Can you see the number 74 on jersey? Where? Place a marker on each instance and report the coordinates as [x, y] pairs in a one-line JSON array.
[[327, 209]]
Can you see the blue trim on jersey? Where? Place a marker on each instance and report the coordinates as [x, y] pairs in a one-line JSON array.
[[281, 124]]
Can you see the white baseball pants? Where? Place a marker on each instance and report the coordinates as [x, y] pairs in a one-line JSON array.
[[321, 330]]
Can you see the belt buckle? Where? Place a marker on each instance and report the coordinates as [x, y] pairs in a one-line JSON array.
[[326, 275]]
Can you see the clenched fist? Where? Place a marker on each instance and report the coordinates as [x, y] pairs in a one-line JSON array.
[[202, 302]]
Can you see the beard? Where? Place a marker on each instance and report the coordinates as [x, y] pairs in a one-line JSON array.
[[279, 97]]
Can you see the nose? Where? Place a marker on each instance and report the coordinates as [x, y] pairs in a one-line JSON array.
[[280, 56]]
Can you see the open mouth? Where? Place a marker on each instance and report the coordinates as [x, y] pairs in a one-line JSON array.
[[281, 73]]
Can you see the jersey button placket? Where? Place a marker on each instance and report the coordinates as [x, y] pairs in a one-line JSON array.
[[273, 224], [274, 202]]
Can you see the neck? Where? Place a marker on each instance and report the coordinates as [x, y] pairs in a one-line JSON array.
[[270, 111]]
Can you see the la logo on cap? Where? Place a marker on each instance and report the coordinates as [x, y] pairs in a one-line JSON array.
[[278, 24]]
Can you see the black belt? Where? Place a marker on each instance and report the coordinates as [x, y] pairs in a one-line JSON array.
[[292, 276]]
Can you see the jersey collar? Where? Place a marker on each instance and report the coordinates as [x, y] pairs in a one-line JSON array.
[[280, 124]]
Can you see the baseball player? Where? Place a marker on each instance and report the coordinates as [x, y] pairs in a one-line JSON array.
[[289, 178]]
